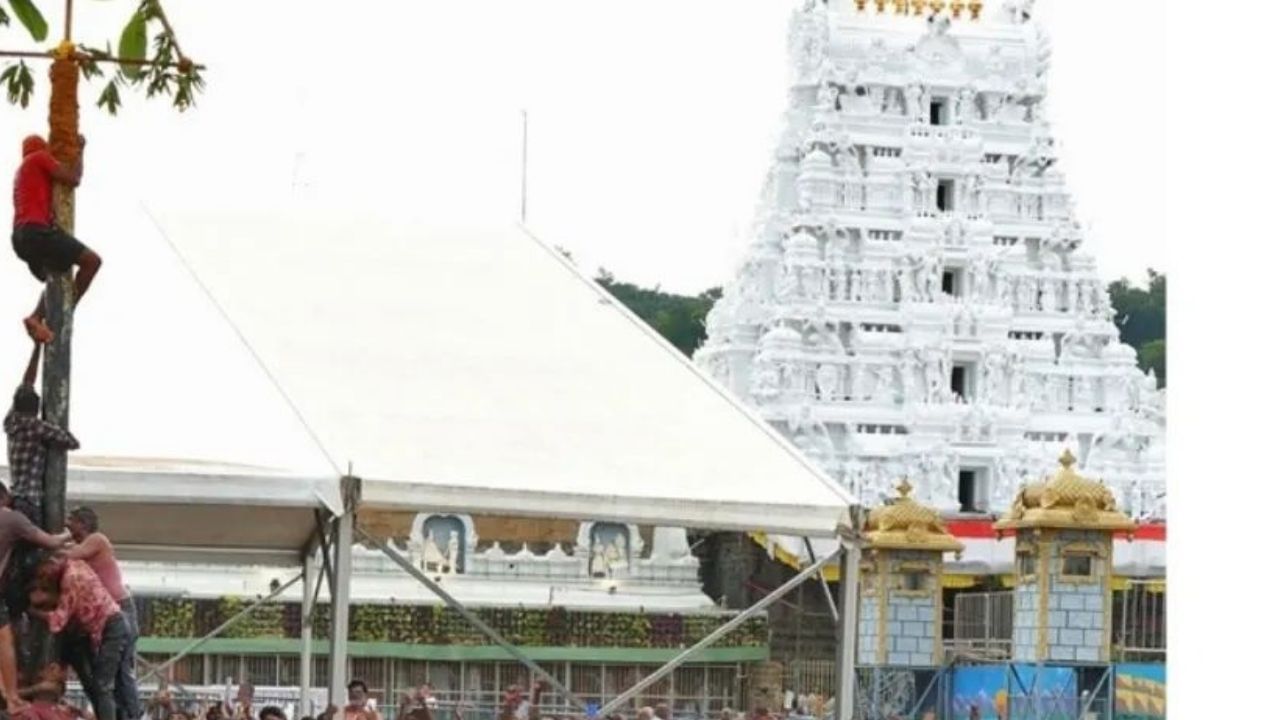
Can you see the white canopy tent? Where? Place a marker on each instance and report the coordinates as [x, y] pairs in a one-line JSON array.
[[479, 371], [454, 370]]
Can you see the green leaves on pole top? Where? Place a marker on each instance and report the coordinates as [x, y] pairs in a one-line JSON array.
[[133, 42], [147, 57], [29, 16]]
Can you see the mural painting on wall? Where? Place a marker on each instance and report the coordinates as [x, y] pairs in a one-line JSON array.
[[443, 546], [997, 692], [1139, 691], [610, 549]]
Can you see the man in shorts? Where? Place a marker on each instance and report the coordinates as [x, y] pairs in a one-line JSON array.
[[37, 240]]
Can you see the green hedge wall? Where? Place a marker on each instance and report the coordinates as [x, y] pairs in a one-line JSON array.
[[436, 625]]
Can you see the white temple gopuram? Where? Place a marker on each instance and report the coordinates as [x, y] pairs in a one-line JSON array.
[[917, 299]]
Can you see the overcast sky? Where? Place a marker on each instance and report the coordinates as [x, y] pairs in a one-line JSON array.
[[651, 124]]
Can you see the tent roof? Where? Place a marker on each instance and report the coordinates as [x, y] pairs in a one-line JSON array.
[[188, 448], [479, 371]]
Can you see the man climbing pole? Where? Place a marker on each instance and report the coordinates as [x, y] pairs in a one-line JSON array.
[[29, 441], [37, 239]]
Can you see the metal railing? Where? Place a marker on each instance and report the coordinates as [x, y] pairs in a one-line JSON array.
[[983, 628], [1138, 622]]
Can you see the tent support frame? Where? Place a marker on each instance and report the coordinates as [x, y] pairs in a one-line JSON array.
[[716, 634], [826, 590], [341, 541], [310, 591]]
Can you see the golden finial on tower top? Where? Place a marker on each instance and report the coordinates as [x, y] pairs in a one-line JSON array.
[[1068, 501], [905, 524], [1067, 459]]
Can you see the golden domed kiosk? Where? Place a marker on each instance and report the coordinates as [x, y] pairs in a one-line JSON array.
[[1062, 594], [900, 618]]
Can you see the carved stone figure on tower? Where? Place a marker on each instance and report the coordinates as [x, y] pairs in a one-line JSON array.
[[914, 105], [828, 97], [932, 281], [909, 367], [936, 366], [980, 270], [451, 552], [828, 380], [965, 109], [922, 188]]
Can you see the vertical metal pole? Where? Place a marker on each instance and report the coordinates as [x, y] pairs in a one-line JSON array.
[[340, 608], [524, 166], [310, 578], [847, 646]]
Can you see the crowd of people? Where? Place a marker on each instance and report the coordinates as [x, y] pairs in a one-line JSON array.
[[516, 703]]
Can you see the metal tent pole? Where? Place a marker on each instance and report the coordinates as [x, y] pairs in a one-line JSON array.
[[472, 618], [847, 643], [340, 608], [156, 669], [715, 636], [310, 571]]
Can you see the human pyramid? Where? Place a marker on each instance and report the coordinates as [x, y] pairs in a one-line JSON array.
[[70, 581]]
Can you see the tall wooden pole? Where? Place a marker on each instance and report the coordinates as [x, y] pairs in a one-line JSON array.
[[64, 143], [59, 301]]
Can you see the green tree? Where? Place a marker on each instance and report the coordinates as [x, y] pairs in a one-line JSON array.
[[1140, 314], [678, 318]]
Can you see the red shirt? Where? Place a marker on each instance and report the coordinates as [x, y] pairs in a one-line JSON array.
[[84, 603], [33, 189]]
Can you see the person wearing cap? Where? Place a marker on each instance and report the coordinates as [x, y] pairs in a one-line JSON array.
[[15, 529], [37, 239], [93, 547], [30, 438]]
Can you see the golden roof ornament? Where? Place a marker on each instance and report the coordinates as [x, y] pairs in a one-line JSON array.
[[905, 524], [917, 7], [1069, 501]]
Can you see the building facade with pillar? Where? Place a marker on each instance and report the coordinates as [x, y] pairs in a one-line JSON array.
[[1065, 530], [900, 614]]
